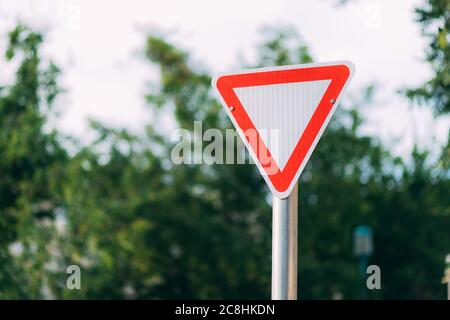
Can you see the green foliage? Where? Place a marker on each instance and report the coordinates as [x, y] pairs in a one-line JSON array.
[[434, 18], [31, 162]]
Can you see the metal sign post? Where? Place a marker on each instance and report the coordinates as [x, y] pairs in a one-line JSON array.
[[363, 248], [284, 246]]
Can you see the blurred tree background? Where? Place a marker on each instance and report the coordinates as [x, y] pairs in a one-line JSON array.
[[141, 227]]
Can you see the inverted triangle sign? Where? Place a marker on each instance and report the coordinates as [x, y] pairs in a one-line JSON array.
[[280, 114]]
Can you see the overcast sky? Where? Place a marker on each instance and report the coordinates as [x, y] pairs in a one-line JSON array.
[[97, 44]]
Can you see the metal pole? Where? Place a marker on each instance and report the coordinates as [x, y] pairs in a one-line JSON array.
[[284, 247]]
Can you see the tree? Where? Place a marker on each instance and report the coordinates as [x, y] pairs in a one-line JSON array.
[[203, 231], [434, 18], [32, 158], [140, 226]]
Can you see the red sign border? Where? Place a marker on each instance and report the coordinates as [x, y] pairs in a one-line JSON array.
[[338, 73]]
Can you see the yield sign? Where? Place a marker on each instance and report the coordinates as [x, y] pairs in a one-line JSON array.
[[281, 112]]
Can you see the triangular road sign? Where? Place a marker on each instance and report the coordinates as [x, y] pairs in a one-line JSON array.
[[281, 112]]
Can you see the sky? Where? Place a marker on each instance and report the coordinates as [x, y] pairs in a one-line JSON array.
[[99, 44]]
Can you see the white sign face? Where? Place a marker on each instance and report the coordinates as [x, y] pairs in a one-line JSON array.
[[280, 113]]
